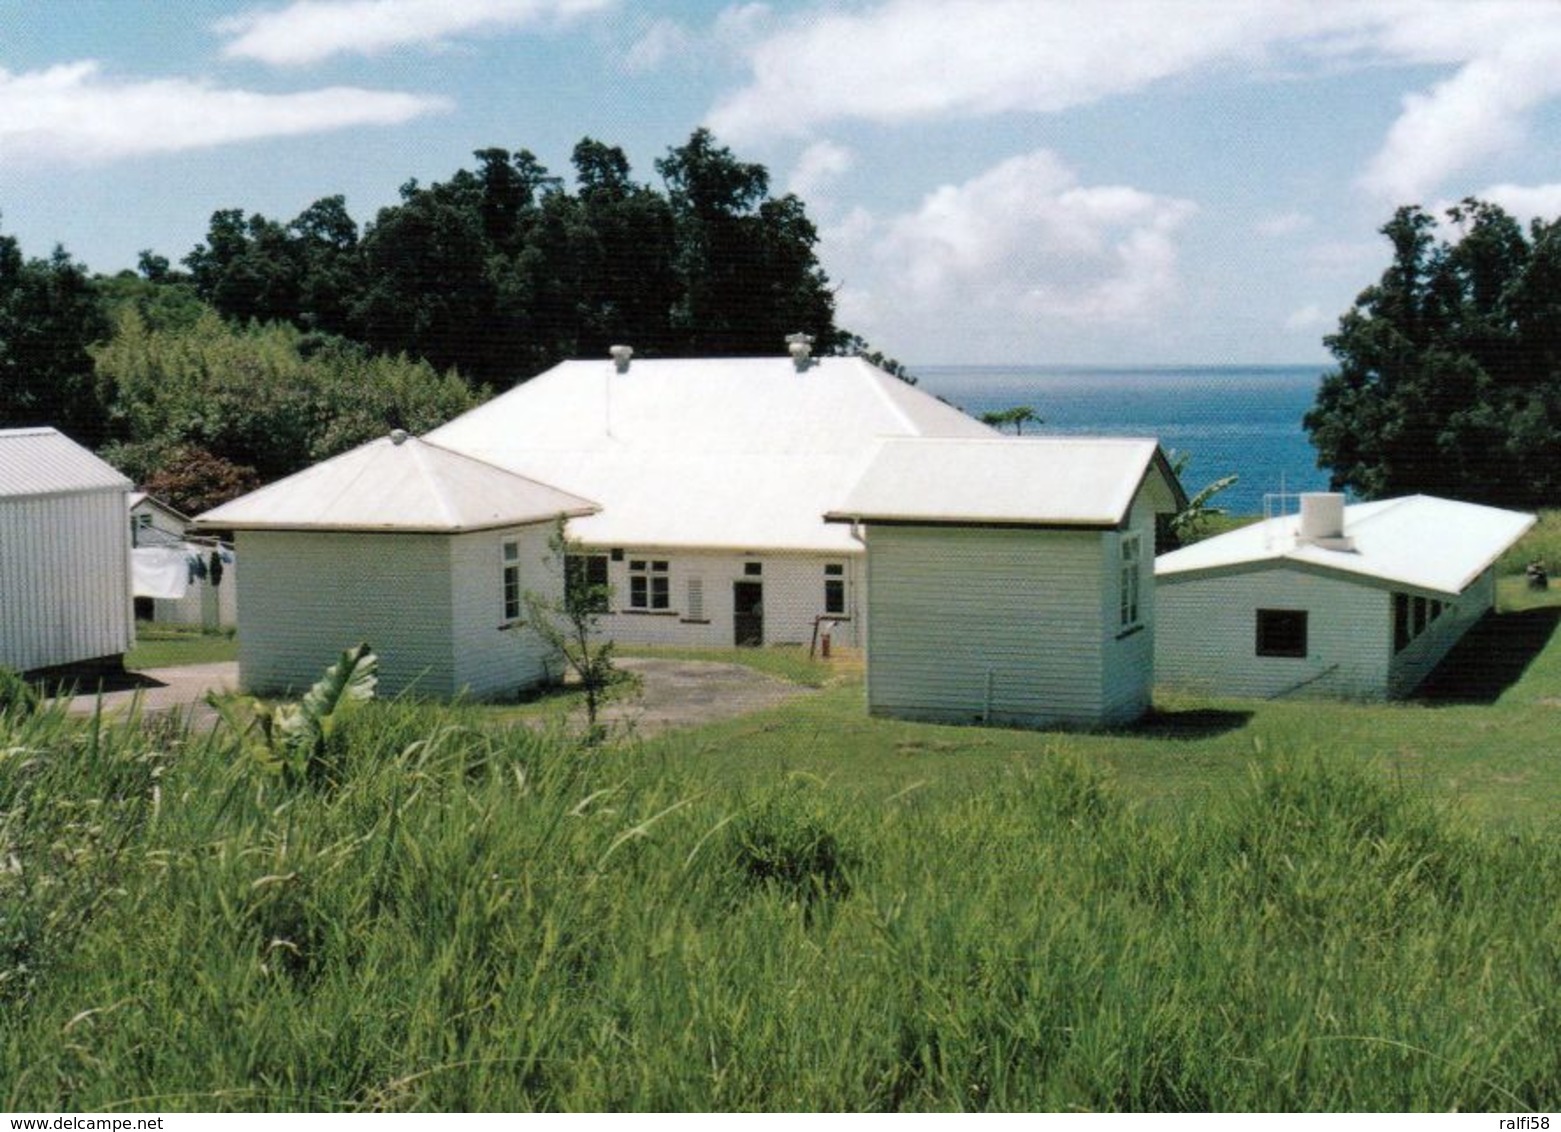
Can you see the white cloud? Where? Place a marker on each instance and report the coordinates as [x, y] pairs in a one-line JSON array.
[[912, 60], [1523, 201], [308, 31], [73, 113], [819, 164], [1309, 317], [1025, 239], [663, 40]]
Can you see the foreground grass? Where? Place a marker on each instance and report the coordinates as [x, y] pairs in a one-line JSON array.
[[456, 918]]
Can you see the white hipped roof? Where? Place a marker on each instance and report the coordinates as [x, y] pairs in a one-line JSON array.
[[397, 483], [1418, 541], [45, 462], [732, 453], [1038, 481]]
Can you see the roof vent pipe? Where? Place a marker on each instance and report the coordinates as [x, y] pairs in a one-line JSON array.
[[801, 347], [1322, 521], [620, 357]]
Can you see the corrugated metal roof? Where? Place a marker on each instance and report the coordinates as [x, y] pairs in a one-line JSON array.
[[1039, 481], [709, 452], [1419, 541], [389, 486], [44, 461]]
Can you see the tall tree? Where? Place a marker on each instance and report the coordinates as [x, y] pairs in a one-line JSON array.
[[49, 316], [1448, 380]]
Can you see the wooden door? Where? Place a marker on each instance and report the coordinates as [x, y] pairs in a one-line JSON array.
[[748, 613]]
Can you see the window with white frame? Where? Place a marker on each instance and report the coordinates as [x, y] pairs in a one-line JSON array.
[[650, 586], [1129, 559], [834, 588], [511, 584]]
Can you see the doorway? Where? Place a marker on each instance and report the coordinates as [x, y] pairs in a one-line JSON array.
[[748, 614]]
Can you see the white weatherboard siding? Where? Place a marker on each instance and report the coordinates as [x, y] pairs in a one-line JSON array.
[[1414, 663], [431, 605], [493, 659], [1207, 634], [308, 595], [793, 596], [64, 579], [975, 624], [1129, 655]]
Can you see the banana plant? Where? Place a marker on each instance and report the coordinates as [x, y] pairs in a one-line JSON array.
[[290, 740]]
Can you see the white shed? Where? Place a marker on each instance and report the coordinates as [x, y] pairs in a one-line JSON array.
[[174, 580], [422, 552], [1356, 602], [1010, 580], [64, 554]]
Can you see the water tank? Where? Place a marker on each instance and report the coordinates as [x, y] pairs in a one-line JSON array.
[[1322, 517]]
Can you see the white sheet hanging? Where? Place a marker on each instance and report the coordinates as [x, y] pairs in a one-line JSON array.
[[160, 571]]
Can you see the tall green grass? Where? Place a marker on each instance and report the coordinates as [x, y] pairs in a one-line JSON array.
[[463, 918]]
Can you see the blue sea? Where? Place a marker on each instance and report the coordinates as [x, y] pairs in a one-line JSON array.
[[1244, 420]]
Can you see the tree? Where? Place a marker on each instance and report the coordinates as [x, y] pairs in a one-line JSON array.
[[49, 317], [1449, 372], [1018, 417], [1190, 523], [569, 625]]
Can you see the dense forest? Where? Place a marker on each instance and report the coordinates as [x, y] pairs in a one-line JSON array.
[[277, 343]]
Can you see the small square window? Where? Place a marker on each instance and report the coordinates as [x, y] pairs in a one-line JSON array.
[[834, 570], [1281, 632], [752, 568]]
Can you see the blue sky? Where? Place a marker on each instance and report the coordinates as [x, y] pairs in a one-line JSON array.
[[995, 181]]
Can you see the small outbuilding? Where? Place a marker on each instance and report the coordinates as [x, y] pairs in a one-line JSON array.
[[1011, 580], [424, 553], [64, 555], [179, 579], [1353, 601]]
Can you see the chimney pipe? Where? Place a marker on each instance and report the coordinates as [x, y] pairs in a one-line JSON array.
[[620, 357], [801, 348]]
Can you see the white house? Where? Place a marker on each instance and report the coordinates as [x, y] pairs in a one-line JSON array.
[[1010, 580], [426, 554], [64, 554], [173, 579], [1358, 601], [713, 475]]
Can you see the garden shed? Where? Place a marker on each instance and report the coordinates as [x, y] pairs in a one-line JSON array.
[[424, 553], [1010, 580], [1357, 601], [179, 579], [64, 554]]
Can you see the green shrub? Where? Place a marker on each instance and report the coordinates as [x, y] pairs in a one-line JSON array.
[[17, 696]]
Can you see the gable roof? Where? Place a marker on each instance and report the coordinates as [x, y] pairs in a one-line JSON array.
[[1088, 482], [1418, 541], [709, 452], [44, 461], [397, 483]]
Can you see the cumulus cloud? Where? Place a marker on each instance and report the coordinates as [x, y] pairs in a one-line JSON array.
[[1309, 317], [819, 164], [914, 60], [1526, 202], [663, 40], [72, 112], [1284, 224], [1026, 239], [666, 41], [308, 31]]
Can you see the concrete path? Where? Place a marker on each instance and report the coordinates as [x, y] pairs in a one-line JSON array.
[[672, 693], [687, 693], [181, 690]]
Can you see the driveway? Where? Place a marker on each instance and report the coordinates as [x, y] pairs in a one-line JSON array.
[[181, 690], [687, 693], [672, 693]]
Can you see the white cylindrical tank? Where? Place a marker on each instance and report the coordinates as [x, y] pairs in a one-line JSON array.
[[1322, 516]]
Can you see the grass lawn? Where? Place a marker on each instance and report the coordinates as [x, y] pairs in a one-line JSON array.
[[1495, 759], [170, 646]]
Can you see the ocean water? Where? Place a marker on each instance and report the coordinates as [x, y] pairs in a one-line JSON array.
[[1244, 420]]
